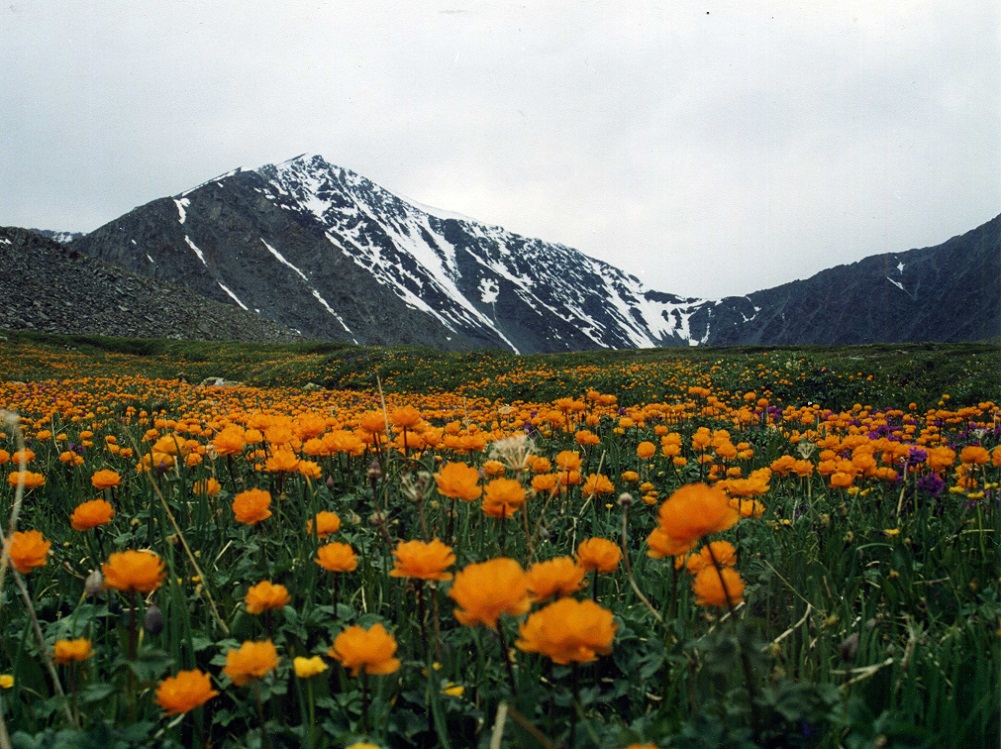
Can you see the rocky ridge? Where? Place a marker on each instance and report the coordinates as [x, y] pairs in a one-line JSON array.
[[49, 287]]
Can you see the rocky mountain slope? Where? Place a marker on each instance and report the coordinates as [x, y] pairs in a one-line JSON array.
[[48, 287], [325, 252]]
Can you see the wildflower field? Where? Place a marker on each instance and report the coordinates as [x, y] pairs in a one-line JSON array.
[[218, 545]]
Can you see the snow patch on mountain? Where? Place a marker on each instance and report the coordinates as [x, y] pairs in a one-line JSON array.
[[198, 252]]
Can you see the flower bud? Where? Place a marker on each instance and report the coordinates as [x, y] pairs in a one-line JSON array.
[[153, 620], [94, 584]]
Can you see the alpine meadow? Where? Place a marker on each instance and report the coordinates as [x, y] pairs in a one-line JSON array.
[[330, 545]]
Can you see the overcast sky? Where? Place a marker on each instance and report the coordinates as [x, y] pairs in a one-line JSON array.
[[710, 148]]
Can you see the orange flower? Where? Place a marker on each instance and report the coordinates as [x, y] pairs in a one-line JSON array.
[[133, 571], [370, 649], [459, 481], [662, 545], [599, 554], [105, 479], [709, 591], [645, 450], [373, 422], [206, 487], [486, 590], [265, 596], [326, 523], [282, 460], [569, 460], [694, 511], [406, 417], [31, 479], [254, 660], [184, 692], [425, 561], [557, 577], [725, 553], [251, 507], [337, 557], [597, 484], [568, 631], [229, 441], [544, 483], [503, 497], [91, 514], [974, 455], [65, 652], [27, 550]]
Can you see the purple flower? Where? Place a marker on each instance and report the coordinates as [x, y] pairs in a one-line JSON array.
[[917, 455], [932, 483]]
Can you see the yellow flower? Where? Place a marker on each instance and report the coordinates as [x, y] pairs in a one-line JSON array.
[[306, 668], [6, 681]]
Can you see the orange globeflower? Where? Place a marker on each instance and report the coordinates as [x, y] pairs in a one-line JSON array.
[[708, 586], [502, 497], [91, 514], [599, 554], [974, 455], [30, 479], [597, 484], [105, 479], [282, 460], [229, 441], [27, 550], [265, 596], [557, 577], [65, 652], [206, 487], [133, 571], [662, 545], [568, 631], [326, 523], [724, 551], [425, 561], [696, 510], [337, 557], [458, 481], [370, 649], [184, 692], [406, 417], [254, 660], [251, 507], [486, 590], [569, 460], [645, 450]]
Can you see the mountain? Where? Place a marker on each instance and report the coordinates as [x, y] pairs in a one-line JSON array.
[[48, 287], [62, 237], [951, 292], [324, 251], [329, 253]]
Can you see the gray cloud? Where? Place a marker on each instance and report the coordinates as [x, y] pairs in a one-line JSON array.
[[709, 153]]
